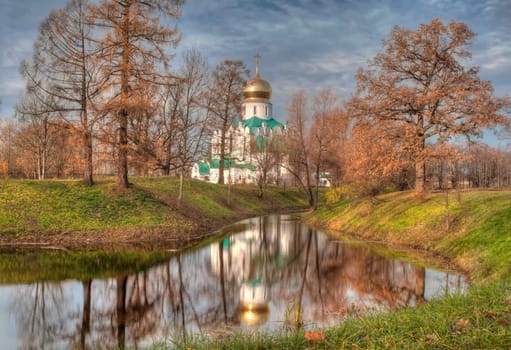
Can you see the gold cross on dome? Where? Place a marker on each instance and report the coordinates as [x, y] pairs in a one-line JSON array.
[[257, 57]]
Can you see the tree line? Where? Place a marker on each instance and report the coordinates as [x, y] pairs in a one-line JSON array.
[[414, 121], [101, 98]]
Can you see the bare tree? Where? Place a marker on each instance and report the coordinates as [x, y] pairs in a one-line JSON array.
[[8, 150], [61, 75], [37, 138], [323, 132], [224, 101], [133, 49], [168, 135], [310, 139], [297, 145], [268, 154], [192, 121]]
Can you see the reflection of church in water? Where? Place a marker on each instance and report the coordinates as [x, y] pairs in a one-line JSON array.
[[248, 141], [276, 262], [248, 258]]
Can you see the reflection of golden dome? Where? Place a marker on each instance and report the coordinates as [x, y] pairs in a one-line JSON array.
[[254, 315], [257, 88]]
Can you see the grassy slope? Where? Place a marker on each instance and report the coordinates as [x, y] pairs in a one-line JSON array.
[[114, 232], [479, 239], [68, 206]]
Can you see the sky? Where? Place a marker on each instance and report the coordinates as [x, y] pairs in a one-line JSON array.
[[304, 44]]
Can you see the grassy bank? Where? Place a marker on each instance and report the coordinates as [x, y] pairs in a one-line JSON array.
[[476, 235], [67, 212], [479, 320]]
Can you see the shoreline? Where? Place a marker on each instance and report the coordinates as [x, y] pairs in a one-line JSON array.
[[132, 237], [68, 214]]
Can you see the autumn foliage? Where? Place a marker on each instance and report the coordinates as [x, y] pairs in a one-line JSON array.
[[417, 91], [413, 121]]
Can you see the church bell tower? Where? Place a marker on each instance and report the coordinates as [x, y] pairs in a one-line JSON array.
[[256, 97]]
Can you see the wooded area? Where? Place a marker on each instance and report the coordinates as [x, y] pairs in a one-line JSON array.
[[103, 99]]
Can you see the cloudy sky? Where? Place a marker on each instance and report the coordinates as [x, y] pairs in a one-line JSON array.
[[304, 44]]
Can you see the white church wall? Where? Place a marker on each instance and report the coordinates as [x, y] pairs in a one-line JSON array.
[[260, 109]]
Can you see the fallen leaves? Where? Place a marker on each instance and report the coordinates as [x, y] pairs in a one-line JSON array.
[[462, 325], [314, 336], [431, 337]]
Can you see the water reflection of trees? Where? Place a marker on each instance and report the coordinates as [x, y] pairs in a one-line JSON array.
[[41, 314], [277, 262]]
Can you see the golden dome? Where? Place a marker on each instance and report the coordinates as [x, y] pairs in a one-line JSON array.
[[257, 88]]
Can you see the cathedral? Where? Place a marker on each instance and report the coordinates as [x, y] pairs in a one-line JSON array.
[[247, 141]]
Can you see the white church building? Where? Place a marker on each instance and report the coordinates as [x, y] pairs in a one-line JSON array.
[[246, 140]]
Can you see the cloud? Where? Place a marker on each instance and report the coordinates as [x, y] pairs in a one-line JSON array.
[[19, 23], [309, 44], [15, 52]]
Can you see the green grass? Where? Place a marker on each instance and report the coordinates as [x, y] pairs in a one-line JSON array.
[[479, 320], [477, 239], [55, 206], [59, 208]]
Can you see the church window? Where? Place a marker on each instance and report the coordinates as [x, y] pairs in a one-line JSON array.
[[266, 110], [255, 110]]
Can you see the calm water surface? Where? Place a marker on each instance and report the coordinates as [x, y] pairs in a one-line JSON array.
[[254, 279]]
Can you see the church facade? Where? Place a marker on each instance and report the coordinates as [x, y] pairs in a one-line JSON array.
[[250, 142]]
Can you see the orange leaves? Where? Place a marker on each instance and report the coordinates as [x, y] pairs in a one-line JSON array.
[[314, 336], [417, 92], [4, 169]]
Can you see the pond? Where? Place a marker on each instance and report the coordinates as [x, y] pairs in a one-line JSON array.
[[268, 274]]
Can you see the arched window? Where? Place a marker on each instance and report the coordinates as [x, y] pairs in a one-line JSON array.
[[266, 110], [255, 110]]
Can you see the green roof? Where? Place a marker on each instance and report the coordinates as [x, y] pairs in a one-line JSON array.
[[215, 164], [257, 123], [203, 168]]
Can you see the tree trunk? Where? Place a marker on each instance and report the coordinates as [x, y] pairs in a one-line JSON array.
[[181, 180], [316, 194], [420, 176], [222, 278], [122, 115], [222, 157], [87, 175], [87, 134], [86, 313], [122, 146], [309, 189], [121, 292]]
